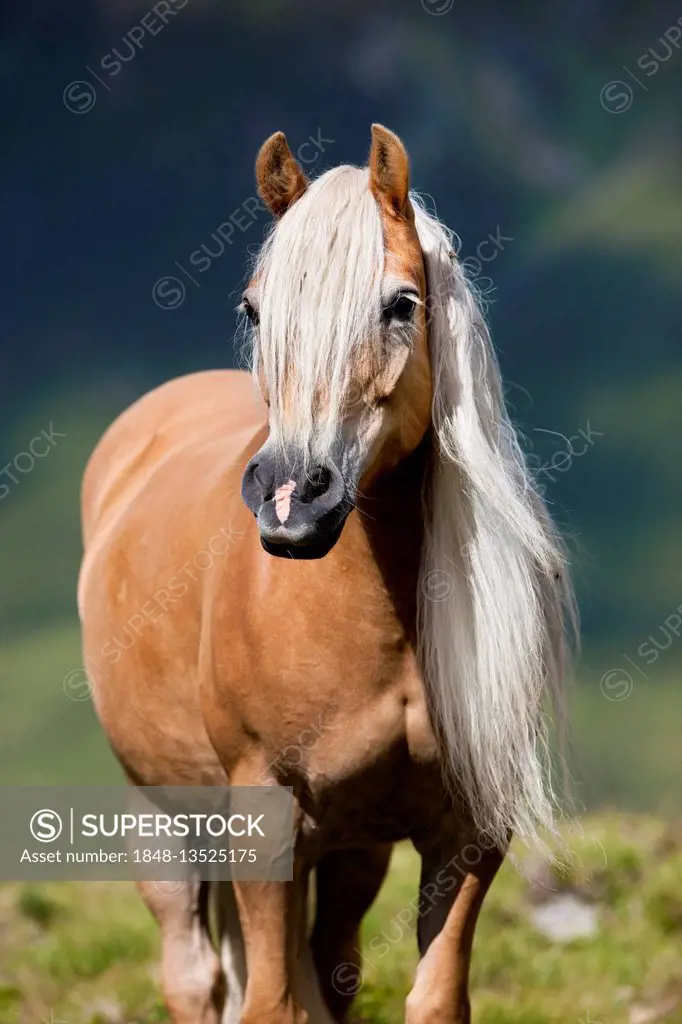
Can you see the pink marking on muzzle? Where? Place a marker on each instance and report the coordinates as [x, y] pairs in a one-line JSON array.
[[283, 500]]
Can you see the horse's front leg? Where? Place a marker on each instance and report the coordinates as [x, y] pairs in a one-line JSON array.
[[270, 917], [456, 875], [347, 884]]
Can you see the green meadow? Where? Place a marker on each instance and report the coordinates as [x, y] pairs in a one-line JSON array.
[[89, 954]]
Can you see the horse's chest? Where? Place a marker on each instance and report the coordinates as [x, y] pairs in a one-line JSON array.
[[324, 683], [365, 763]]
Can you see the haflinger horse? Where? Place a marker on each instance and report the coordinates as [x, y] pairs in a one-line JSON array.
[[382, 579]]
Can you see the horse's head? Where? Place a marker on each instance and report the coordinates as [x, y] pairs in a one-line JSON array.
[[337, 305]]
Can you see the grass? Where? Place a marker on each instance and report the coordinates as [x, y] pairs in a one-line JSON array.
[[629, 867], [88, 953]]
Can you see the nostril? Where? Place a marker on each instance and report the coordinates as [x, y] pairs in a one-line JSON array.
[[317, 484], [261, 477]]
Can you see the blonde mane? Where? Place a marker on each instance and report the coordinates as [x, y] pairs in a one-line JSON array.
[[492, 635], [331, 238]]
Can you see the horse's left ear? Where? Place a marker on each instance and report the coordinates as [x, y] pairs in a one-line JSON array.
[[279, 176], [389, 171]]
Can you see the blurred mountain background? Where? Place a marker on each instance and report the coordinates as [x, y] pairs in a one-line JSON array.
[[129, 135]]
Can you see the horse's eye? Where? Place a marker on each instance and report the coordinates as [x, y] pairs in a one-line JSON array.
[[400, 308], [250, 311]]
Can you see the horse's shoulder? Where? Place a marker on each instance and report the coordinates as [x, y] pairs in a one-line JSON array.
[[183, 413]]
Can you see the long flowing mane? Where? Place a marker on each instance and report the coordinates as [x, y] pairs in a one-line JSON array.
[[495, 642], [492, 644]]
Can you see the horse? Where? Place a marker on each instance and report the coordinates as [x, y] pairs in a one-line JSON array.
[[378, 574]]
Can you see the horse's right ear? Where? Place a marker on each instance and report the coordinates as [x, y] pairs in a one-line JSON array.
[[279, 176]]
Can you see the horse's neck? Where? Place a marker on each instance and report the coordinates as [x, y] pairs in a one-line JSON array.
[[393, 519]]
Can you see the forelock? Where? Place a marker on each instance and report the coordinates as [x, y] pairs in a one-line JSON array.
[[319, 279]]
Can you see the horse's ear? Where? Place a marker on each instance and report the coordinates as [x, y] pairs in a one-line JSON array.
[[279, 177], [389, 170]]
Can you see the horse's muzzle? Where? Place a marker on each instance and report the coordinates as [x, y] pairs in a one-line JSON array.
[[300, 511]]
